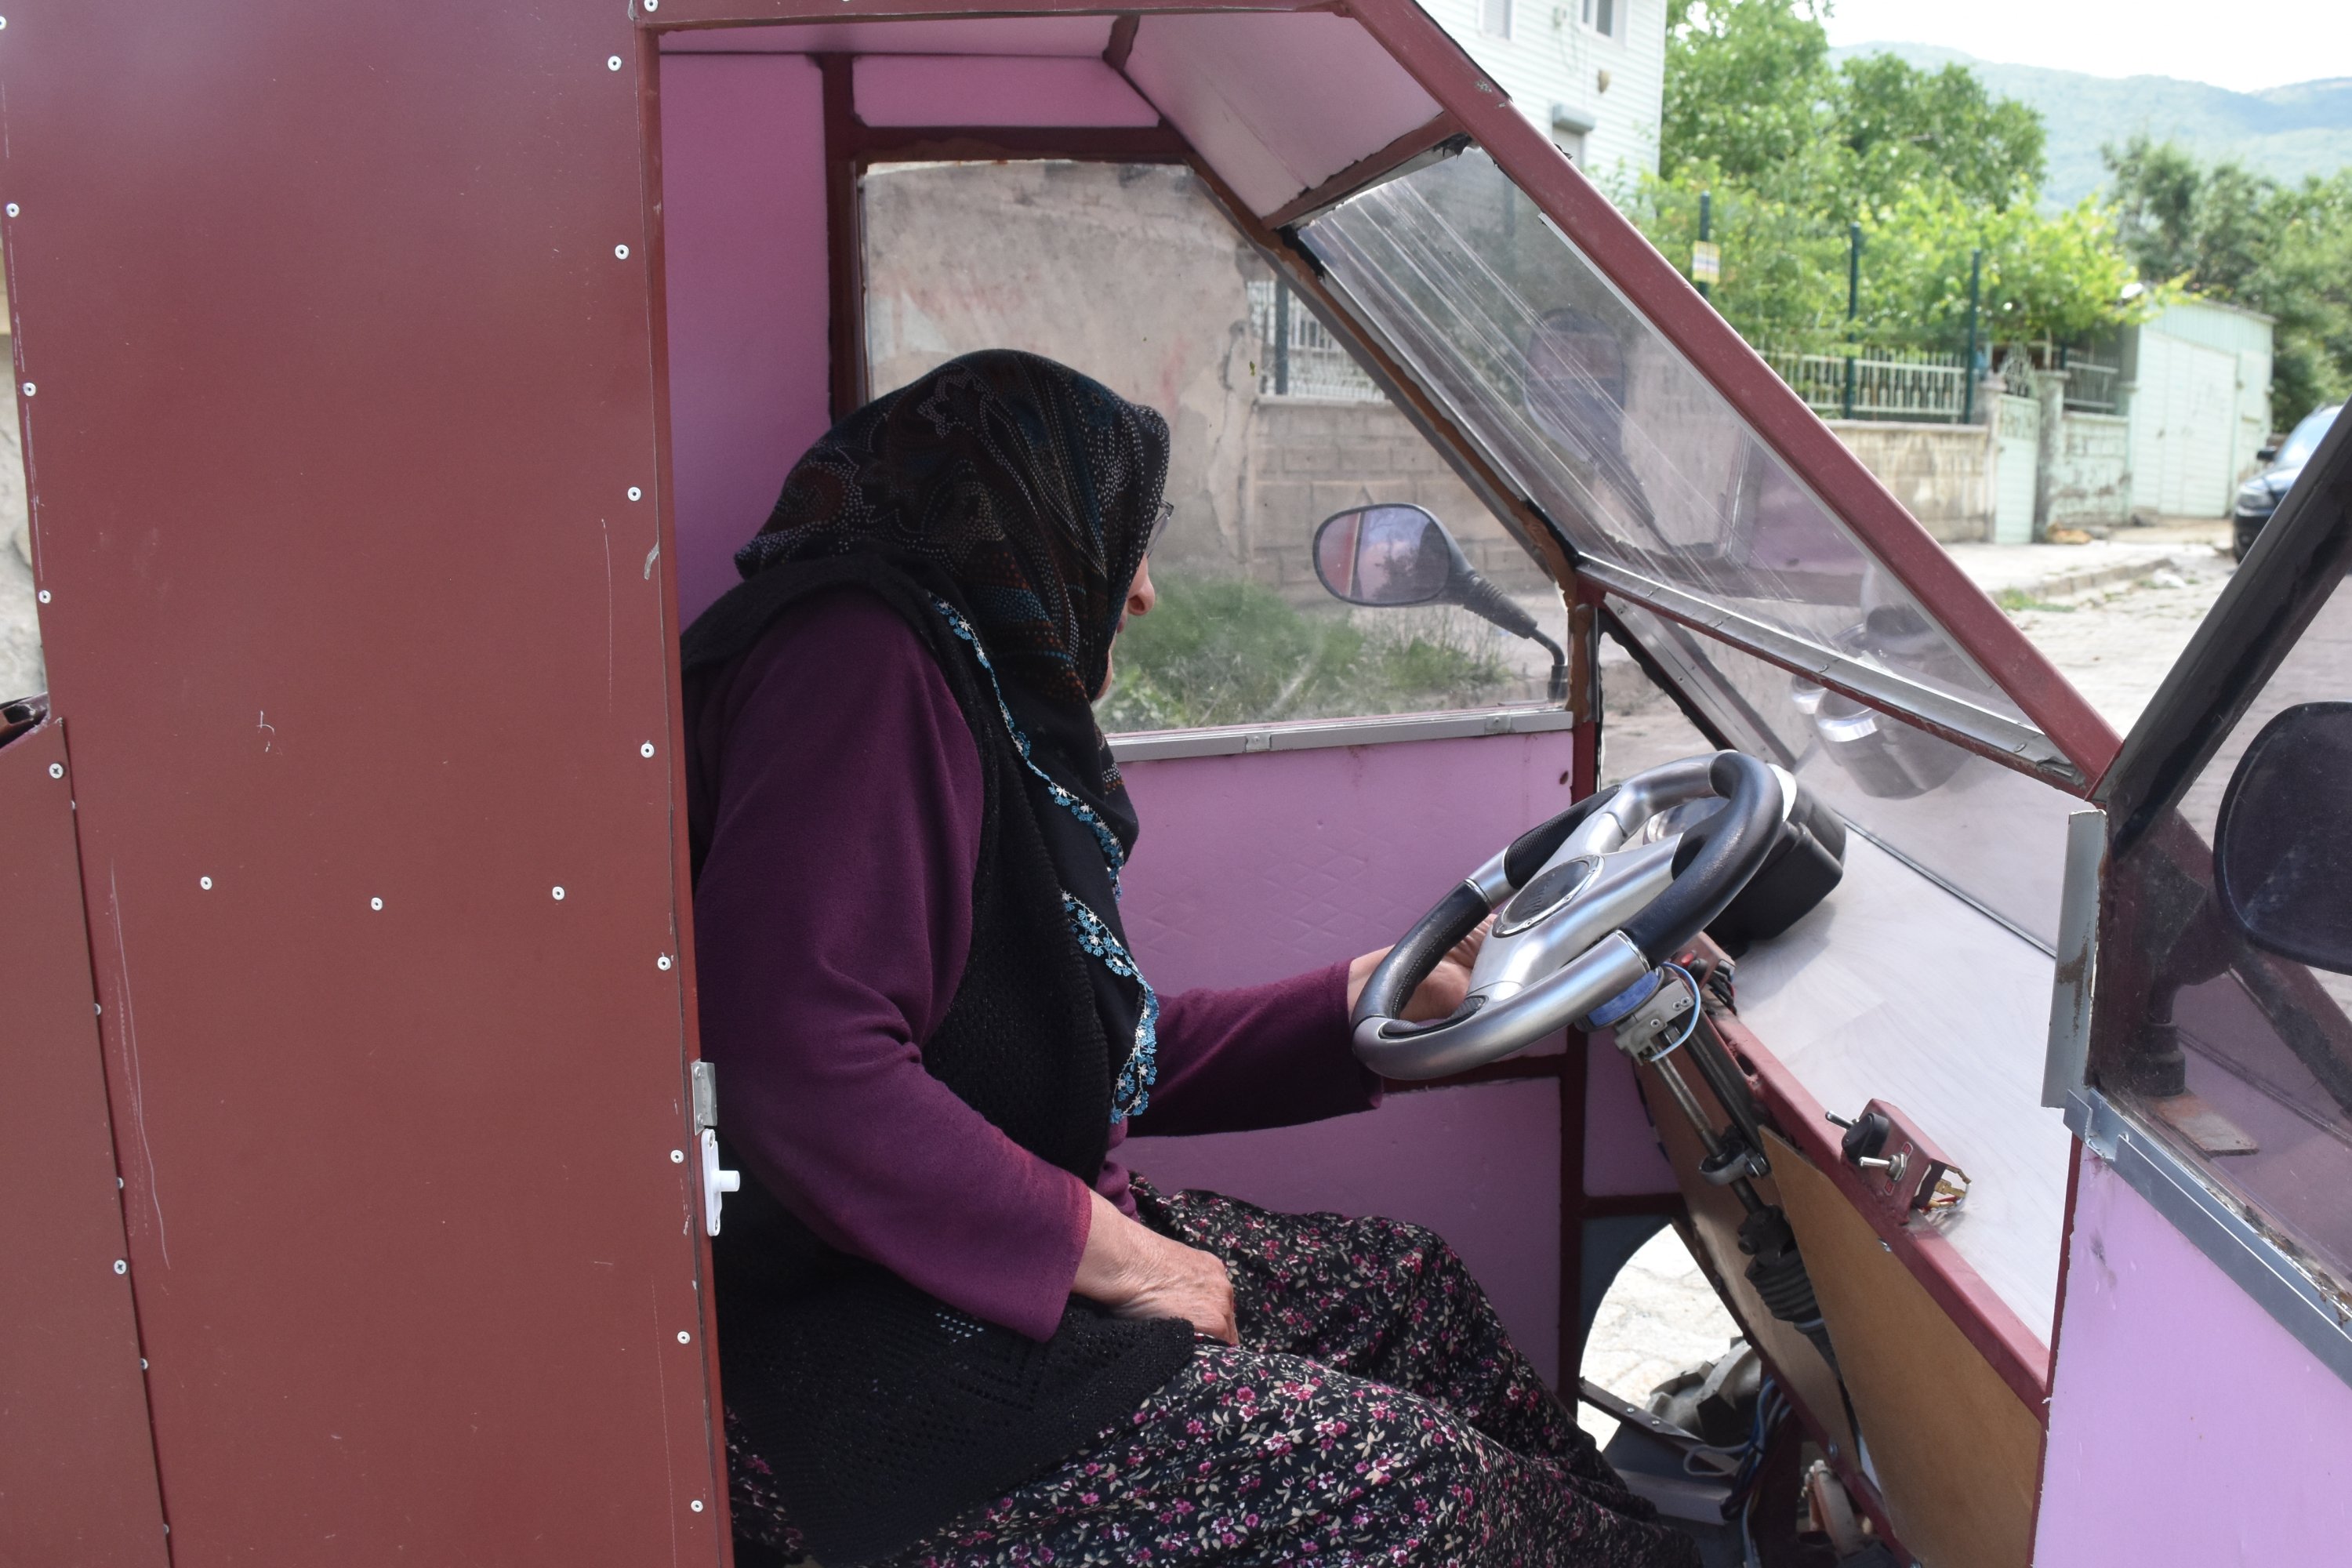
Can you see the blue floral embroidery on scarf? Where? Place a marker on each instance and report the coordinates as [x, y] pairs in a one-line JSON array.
[[1114, 853], [1132, 1093]]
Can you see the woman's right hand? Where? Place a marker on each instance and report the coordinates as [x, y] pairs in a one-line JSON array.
[[1138, 1273]]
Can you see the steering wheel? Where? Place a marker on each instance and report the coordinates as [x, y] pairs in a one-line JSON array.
[[1587, 906]]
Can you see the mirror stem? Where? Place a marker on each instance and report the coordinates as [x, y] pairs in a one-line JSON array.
[[1559, 690]]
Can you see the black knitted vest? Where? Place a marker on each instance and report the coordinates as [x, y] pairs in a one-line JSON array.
[[884, 1412]]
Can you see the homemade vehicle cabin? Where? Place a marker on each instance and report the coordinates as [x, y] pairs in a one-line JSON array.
[[397, 382]]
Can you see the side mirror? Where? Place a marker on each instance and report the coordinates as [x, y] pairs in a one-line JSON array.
[[1384, 556], [2265, 453], [2283, 845], [1387, 555]]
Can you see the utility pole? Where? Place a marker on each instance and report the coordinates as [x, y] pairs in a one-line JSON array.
[[1968, 367], [1853, 305], [1706, 262], [1281, 338]]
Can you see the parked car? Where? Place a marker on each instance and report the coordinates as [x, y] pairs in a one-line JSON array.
[[2259, 497]]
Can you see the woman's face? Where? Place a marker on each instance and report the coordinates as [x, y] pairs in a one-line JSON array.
[[1141, 596]]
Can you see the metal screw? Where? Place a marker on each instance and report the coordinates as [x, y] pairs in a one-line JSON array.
[[12, 209], [662, 963], [652, 5], [56, 770], [28, 389], [42, 595], [697, 1504], [143, 1363], [559, 895], [635, 494], [1885, 1246], [120, 1267], [621, 251], [677, 1156], [206, 883], [684, 1338], [375, 903], [614, 64], [1832, 1450], [646, 750]]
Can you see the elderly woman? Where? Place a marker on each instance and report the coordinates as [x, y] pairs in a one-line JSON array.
[[954, 1330]]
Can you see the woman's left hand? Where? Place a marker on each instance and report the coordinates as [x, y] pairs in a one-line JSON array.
[[1437, 996]]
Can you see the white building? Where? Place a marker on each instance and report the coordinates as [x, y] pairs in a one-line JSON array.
[[2197, 387], [1589, 73]]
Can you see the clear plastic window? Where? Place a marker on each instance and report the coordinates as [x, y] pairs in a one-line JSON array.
[[1987, 831], [2238, 1058], [1609, 428], [1130, 273]]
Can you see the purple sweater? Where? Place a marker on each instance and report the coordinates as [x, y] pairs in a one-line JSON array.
[[838, 790]]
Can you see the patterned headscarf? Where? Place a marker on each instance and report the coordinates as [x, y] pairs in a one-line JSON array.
[[1031, 490], [1030, 485]]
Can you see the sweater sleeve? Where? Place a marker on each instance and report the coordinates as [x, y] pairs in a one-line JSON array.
[[1257, 1055], [832, 917]]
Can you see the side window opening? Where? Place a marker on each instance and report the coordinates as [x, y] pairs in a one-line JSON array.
[[1130, 273]]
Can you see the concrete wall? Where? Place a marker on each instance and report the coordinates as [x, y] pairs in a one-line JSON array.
[[2077, 468], [1943, 473], [21, 669], [1130, 274], [1308, 459], [2089, 482]]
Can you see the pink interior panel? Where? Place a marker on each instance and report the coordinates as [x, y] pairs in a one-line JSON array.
[[743, 237], [1255, 867], [1622, 1156], [960, 90], [1067, 35], [1277, 102], [1480, 1166], [2185, 1426]]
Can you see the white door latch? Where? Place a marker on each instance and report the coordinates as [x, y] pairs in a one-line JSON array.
[[715, 1181]]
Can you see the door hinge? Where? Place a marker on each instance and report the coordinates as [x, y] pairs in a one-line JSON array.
[[716, 1182]]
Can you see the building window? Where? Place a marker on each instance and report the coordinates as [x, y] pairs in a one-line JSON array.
[[1600, 16], [1495, 16]]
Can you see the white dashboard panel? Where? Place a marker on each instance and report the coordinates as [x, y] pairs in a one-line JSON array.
[[1894, 989]]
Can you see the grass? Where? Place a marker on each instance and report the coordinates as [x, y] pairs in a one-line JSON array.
[[1221, 651], [2016, 599]]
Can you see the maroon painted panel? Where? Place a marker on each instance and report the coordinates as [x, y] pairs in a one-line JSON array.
[[77, 1467], [341, 319]]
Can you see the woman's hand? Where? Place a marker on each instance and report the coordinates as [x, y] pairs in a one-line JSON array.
[[1437, 996], [1138, 1273]]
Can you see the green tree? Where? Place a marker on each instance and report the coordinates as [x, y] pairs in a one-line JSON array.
[[2225, 233], [1792, 149]]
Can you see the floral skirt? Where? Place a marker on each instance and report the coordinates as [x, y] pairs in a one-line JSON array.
[[1374, 1412]]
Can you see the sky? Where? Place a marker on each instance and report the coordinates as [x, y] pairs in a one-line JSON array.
[[2265, 42]]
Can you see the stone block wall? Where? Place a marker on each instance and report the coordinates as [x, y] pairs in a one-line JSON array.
[[1943, 473], [1304, 459], [2090, 474]]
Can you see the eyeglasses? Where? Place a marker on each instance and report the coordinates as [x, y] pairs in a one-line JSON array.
[[1159, 525]]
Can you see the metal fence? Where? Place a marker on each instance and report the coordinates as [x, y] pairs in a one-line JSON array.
[[1297, 358], [2091, 387], [1883, 384]]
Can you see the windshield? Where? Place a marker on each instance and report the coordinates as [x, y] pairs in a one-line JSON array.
[[1655, 479], [2298, 448]]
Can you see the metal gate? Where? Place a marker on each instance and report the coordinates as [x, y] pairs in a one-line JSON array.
[[2016, 463]]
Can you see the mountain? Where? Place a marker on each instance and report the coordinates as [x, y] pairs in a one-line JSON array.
[[2283, 132]]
